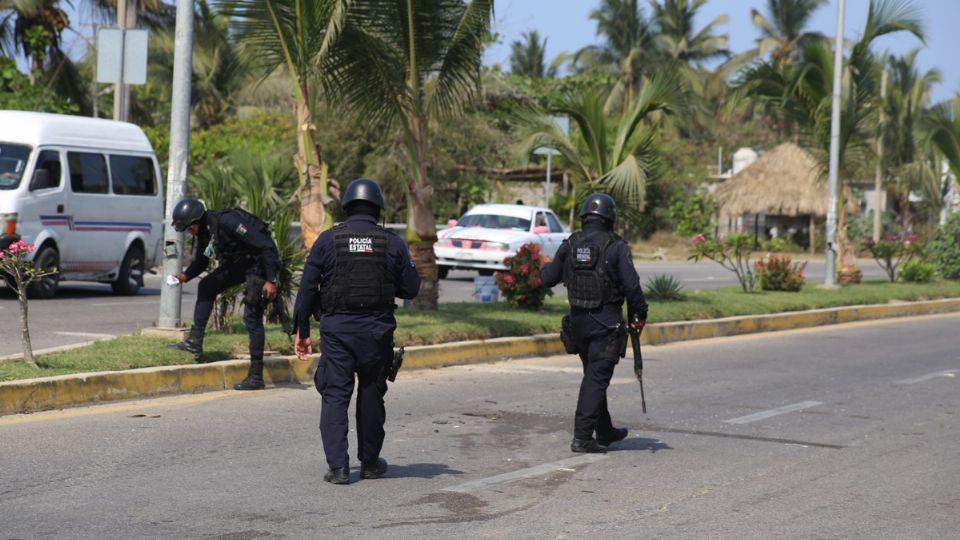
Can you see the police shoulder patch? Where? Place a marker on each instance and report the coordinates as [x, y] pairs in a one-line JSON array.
[[242, 229]]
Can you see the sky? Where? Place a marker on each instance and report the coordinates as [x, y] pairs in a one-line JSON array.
[[567, 27]]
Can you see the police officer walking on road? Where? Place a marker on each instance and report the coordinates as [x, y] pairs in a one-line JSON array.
[[245, 252], [351, 277], [597, 268]]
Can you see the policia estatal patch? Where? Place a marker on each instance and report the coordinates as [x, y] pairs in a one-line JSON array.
[[361, 244]]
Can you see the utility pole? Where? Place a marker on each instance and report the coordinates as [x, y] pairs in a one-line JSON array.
[[119, 95], [179, 152], [878, 181], [833, 179]]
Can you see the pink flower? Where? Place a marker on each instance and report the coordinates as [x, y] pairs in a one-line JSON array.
[[14, 248], [524, 269], [698, 239], [508, 278]]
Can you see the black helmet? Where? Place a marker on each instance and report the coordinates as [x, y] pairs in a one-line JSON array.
[[600, 204], [186, 213], [363, 189]]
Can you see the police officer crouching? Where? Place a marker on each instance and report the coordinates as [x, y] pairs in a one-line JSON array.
[[351, 277], [597, 268], [241, 244]]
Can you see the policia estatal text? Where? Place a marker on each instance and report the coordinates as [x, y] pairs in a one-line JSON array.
[[596, 266], [245, 254], [351, 277]]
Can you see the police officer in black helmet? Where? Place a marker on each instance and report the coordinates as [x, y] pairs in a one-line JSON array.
[[245, 252], [597, 268], [351, 277]]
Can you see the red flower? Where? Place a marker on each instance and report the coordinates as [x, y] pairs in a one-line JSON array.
[[524, 269], [508, 278], [698, 239]]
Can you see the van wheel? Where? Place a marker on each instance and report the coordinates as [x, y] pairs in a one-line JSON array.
[[130, 278], [46, 260], [442, 272]]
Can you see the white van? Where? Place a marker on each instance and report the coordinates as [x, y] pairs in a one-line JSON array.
[[86, 192]]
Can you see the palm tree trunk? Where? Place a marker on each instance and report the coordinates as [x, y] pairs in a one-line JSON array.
[[313, 174], [422, 218]]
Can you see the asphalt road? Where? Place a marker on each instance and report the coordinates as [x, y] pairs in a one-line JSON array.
[[805, 434], [84, 312]]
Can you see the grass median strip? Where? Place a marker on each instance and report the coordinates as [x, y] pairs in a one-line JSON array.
[[465, 321]]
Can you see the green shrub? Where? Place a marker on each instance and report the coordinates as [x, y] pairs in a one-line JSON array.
[[780, 274], [664, 287], [732, 252], [946, 248], [692, 215], [917, 271]]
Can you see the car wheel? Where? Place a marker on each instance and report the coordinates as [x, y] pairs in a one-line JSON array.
[[130, 278], [46, 260], [485, 272], [442, 272]]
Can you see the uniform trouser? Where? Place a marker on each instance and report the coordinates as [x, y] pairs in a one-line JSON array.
[[344, 356], [599, 356], [218, 281]]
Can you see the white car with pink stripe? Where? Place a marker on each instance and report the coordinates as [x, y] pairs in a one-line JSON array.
[[86, 192], [489, 233]]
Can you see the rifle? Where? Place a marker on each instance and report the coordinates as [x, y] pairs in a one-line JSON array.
[[638, 363]]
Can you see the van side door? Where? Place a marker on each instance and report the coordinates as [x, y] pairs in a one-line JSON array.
[[93, 245]]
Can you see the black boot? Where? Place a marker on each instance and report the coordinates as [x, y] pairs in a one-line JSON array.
[[193, 344], [337, 476], [254, 380], [617, 435], [587, 446], [374, 469]]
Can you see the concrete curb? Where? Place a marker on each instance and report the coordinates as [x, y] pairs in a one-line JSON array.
[[32, 395]]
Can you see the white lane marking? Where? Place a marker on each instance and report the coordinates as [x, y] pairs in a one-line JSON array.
[[773, 412], [928, 376], [131, 303], [86, 335], [521, 369], [530, 472]]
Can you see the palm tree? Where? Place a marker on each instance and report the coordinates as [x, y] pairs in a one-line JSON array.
[[628, 50], [527, 57], [802, 92], [782, 28], [943, 125], [621, 166], [406, 62], [904, 109], [296, 35], [677, 38]]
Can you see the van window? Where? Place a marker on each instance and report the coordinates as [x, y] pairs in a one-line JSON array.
[[49, 160], [555, 226], [132, 175], [13, 161], [88, 172]]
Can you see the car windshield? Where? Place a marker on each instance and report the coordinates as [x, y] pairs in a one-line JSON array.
[[493, 221], [13, 161]]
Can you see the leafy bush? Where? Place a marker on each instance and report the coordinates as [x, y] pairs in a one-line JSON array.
[[732, 252], [917, 271], [780, 245], [893, 250], [664, 287], [692, 215], [521, 284], [946, 248], [780, 274]]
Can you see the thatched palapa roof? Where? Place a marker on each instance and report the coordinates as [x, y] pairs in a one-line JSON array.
[[786, 181]]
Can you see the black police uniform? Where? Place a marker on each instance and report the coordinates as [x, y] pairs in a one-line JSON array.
[[351, 277], [242, 246], [596, 314]]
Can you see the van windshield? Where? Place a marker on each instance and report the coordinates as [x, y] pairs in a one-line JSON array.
[[13, 161], [494, 221]]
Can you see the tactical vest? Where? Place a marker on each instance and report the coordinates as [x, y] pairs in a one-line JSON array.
[[360, 282], [590, 281], [230, 250]]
